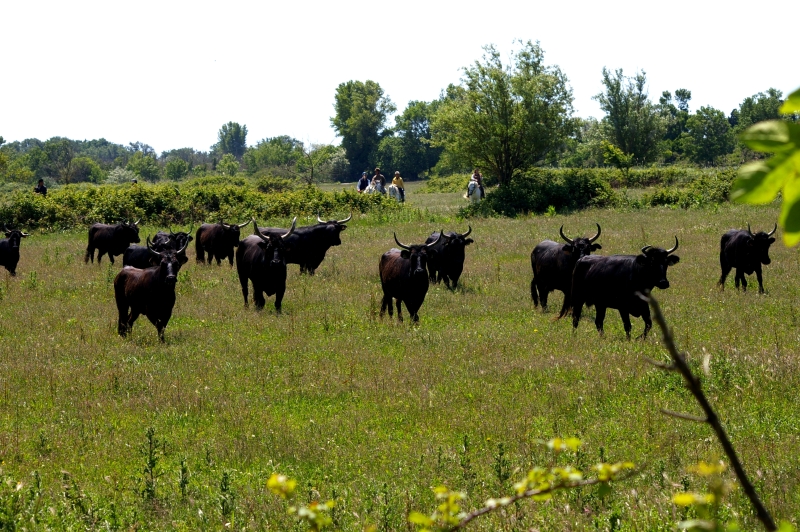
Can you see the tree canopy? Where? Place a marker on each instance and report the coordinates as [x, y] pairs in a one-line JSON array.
[[232, 138]]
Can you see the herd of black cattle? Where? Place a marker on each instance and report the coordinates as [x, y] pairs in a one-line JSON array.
[[146, 284]]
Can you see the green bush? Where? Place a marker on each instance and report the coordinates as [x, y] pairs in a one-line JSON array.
[[451, 183], [710, 188], [270, 183]]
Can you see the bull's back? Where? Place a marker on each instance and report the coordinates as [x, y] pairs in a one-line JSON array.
[[393, 267], [733, 248], [606, 279]]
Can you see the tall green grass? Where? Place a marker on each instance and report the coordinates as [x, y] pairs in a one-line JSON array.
[[374, 413]]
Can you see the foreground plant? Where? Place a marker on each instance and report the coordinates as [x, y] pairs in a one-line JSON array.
[[316, 515]]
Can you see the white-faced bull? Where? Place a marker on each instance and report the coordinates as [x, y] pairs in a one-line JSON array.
[[217, 241], [9, 249], [111, 239], [140, 256], [614, 281], [308, 245], [262, 260], [404, 278], [149, 291], [746, 252], [446, 258], [552, 264]]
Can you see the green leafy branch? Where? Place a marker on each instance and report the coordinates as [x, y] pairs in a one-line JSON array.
[[538, 485], [760, 182], [316, 515]]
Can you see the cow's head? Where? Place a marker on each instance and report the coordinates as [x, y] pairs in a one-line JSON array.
[[654, 263], [130, 231], [334, 228], [232, 232], [14, 237], [580, 247], [457, 241], [418, 255], [274, 246], [168, 262], [759, 244]]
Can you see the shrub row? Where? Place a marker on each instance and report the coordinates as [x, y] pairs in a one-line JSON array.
[[166, 204]]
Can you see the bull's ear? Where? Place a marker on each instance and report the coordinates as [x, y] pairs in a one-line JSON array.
[[595, 247], [263, 245], [568, 248], [405, 254], [672, 260], [468, 241], [771, 240]]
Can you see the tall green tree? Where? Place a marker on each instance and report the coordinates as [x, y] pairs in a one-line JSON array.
[[632, 122], [409, 149], [144, 166], [232, 138], [276, 152], [757, 108], [361, 112], [61, 155], [176, 169], [506, 117], [708, 136]]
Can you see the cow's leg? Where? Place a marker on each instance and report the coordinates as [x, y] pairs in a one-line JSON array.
[[534, 293], [447, 281], [278, 300], [311, 271], [99, 256], [399, 310], [110, 257], [599, 318], [431, 274], [132, 319], [200, 255], [648, 323], [626, 322], [386, 302], [744, 283], [89, 254], [577, 308], [243, 282], [544, 292], [122, 322], [565, 305], [218, 258], [258, 297], [760, 280], [230, 258], [726, 269]]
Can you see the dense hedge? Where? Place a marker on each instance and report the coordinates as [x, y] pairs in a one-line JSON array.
[[708, 189], [69, 206]]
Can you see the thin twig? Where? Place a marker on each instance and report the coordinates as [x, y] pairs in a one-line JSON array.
[[661, 365], [687, 417], [693, 383]]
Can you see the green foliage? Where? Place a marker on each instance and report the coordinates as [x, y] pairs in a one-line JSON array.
[[360, 119], [176, 169], [120, 175], [60, 154], [708, 137], [539, 188], [232, 139], [144, 166], [315, 516], [283, 152], [228, 165], [450, 183], [709, 189], [760, 182], [270, 183], [85, 169], [409, 149], [632, 122], [152, 451], [505, 118], [615, 156]]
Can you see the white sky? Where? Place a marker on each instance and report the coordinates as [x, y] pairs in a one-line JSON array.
[[170, 73]]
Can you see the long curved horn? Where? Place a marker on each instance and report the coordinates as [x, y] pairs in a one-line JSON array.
[[773, 230], [291, 229], [242, 225], [748, 229], [465, 235], [137, 221], [403, 245], [441, 232], [25, 234], [320, 220], [184, 247], [595, 237], [150, 248], [346, 219], [565, 237], [675, 248], [257, 232], [644, 249]]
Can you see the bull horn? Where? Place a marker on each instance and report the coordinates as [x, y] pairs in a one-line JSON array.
[[403, 245], [675, 248], [291, 229], [773, 230], [346, 219], [150, 248], [257, 232], [137, 221], [748, 229], [25, 234], [441, 232], [644, 249], [565, 237], [595, 237], [320, 220], [242, 225], [184, 247], [465, 235]]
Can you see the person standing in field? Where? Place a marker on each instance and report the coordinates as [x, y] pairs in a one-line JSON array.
[[398, 182], [40, 188], [363, 182], [379, 181]]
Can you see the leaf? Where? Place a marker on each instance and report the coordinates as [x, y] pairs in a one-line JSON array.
[[683, 499], [790, 209], [792, 103], [419, 519], [786, 526], [759, 182], [603, 490], [771, 136]]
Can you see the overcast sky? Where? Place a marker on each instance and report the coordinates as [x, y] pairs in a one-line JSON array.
[[171, 73]]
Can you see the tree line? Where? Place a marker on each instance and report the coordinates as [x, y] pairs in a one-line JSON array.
[[503, 117]]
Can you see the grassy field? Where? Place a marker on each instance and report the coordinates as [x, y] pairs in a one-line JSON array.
[[372, 413]]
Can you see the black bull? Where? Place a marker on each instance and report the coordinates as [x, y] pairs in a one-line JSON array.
[[217, 241], [746, 252], [262, 260], [446, 258], [308, 245], [404, 278], [552, 264], [613, 282], [111, 239], [140, 256], [9, 249], [149, 291]]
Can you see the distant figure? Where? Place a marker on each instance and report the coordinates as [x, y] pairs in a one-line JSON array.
[[363, 183], [40, 188], [134, 181], [379, 181], [475, 190], [398, 182]]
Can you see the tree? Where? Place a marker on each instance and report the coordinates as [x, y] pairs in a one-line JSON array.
[[60, 154], [757, 108], [281, 152], [674, 118], [361, 113], [708, 136], [176, 169], [228, 165], [86, 169], [632, 122], [144, 166], [409, 149], [309, 167], [506, 117], [232, 138]]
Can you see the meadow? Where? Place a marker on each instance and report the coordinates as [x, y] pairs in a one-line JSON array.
[[372, 413]]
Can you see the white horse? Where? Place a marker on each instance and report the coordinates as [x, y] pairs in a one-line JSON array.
[[375, 189], [474, 192], [395, 194]]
